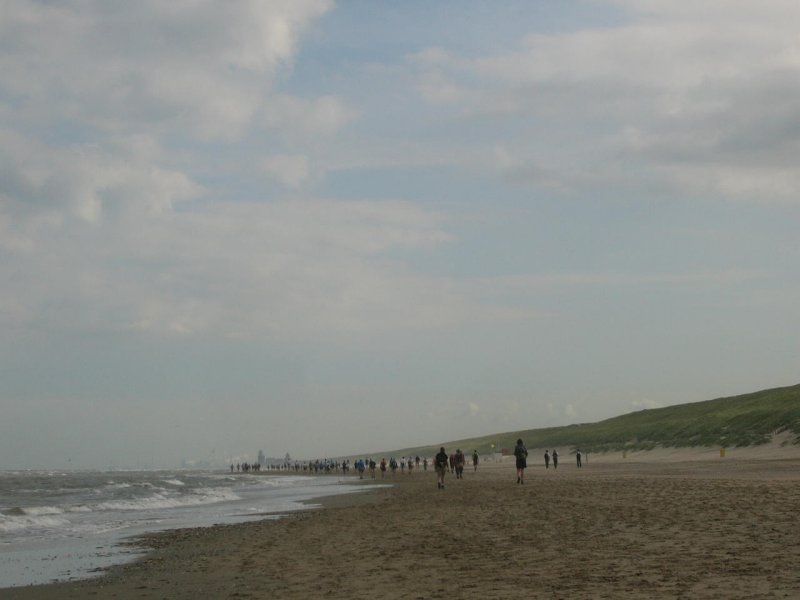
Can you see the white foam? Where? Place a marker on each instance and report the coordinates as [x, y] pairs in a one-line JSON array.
[[16, 523], [42, 510], [160, 500], [174, 481]]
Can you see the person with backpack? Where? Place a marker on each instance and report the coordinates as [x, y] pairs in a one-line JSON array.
[[521, 454], [440, 462]]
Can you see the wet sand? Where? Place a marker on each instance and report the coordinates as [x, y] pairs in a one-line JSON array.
[[614, 529]]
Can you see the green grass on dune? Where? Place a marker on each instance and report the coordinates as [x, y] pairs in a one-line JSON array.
[[746, 420]]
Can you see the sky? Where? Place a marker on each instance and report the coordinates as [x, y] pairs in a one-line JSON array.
[[327, 228]]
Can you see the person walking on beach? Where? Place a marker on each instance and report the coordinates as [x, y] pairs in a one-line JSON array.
[[440, 464], [474, 460], [521, 454], [383, 468], [425, 464], [460, 459], [393, 465], [546, 459], [578, 458], [555, 458], [452, 463]]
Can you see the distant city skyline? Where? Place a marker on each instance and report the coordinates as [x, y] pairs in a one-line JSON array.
[[323, 228]]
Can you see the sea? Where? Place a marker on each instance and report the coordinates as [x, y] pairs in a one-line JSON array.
[[66, 525]]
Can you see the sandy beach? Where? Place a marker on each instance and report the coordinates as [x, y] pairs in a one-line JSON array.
[[711, 528]]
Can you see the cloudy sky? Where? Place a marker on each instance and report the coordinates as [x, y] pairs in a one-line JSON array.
[[323, 228]]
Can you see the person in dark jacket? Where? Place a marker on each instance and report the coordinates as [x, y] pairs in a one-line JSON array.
[[441, 461], [521, 454]]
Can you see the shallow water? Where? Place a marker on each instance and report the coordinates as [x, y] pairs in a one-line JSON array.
[[62, 525]]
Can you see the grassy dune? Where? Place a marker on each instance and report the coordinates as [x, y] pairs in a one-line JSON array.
[[747, 420]]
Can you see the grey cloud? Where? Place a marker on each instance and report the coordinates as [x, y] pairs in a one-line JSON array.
[[688, 99]]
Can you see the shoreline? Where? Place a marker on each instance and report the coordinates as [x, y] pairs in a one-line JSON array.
[[704, 529], [148, 547], [68, 558]]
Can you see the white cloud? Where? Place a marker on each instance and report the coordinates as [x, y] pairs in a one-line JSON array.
[[84, 180], [299, 117], [91, 94], [287, 270], [436, 88], [290, 170], [198, 68], [690, 96]]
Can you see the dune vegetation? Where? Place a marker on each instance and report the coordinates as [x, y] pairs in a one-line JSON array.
[[746, 420]]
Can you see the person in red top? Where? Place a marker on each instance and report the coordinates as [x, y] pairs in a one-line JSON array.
[[459, 461]]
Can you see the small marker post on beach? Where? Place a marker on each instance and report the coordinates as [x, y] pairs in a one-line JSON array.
[[722, 452]]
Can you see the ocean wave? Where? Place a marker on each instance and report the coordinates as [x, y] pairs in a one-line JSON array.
[[36, 511], [10, 523], [159, 500], [173, 481]]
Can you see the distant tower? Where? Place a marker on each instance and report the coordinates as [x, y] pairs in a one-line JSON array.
[[261, 458]]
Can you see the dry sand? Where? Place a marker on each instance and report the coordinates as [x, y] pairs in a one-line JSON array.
[[720, 528]]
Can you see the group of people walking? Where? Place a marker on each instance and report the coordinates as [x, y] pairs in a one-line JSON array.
[[453, 463], [548, 457], [442, 461], [521, 456]]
